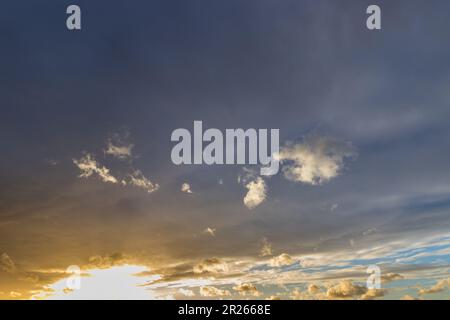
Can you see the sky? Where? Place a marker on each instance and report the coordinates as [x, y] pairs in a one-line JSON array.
[[87, 180]]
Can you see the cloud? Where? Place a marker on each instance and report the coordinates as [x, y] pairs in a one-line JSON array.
[[210, 231], [119, 147], [120, 152], [345, 289], [257, 193], [282, 260], [209, 291], [391, 277], [212, 265], [186, 187], [314, 161], [266, 249], [373, 294], [408, 297], [138, 179], [247, 289], [186, 292], [6, 264], [440, 286], [106, 261], [313, 289], [273, 298], [89, 166]]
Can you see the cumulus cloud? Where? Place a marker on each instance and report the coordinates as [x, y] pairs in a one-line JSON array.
[[440, 286], [314, 161], [247, 289], [256, 194], [213, 265], [266, 248], [282, 260], [345, 290], [6, 264], [210, 231], [89, 166], [137, 179], [186, 187], [209, 291]]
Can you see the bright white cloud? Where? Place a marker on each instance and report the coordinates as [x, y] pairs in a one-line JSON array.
[[314, 161], [89, 166], [256, 194], [282, 260], [186, 187]]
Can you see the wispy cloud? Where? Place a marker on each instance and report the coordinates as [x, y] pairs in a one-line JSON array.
[[89, 166], [137, 179]]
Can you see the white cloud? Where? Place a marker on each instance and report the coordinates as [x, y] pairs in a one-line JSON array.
[[138, 179], [89, 166], [210, 231], [257, 193], [314, 161], [186, 292], [282, 260], [186, 187]]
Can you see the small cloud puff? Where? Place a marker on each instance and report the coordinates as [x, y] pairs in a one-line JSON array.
[[282, 260], [314, 161], [210, 231], [186, 187], [247, 289], [256, 194]]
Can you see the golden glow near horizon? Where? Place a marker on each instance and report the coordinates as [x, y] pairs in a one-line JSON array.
[[115, 283]]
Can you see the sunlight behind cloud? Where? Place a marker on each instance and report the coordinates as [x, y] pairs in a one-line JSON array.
[[118, 282]]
